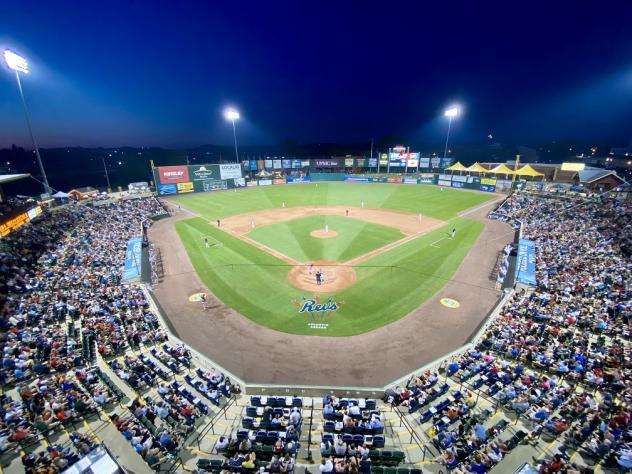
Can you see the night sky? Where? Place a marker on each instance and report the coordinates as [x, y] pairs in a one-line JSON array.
[[159, 73]]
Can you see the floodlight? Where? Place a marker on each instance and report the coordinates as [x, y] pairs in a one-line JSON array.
[[15, 61], [231, 114], [452, 112]]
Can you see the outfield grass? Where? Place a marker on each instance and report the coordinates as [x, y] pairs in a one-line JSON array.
[[292, 238], [388, 286]]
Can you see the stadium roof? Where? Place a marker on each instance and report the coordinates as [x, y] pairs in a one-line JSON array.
[[502, 169], [477, 168], [527, 170], [457, 167], [590, 175], [7, 178]]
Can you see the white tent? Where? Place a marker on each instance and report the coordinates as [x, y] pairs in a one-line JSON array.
[[60, 195]]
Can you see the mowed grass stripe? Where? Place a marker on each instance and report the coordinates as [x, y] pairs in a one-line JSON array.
[[354, 238]]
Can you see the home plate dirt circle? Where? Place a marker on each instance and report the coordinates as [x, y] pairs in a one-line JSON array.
[[321, 234], [337, 277]]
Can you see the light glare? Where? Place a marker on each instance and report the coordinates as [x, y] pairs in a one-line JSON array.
[[231, 114], [16, 62], [452, 112]]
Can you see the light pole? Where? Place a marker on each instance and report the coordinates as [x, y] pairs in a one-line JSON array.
[[19, 64], [451, 112], [232, 115], [107, 176]]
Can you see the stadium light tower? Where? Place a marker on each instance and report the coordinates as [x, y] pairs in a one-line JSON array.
[[19, 64], [233, 115], [450, 112]]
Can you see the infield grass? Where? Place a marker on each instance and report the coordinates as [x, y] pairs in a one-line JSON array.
[[354, 238]]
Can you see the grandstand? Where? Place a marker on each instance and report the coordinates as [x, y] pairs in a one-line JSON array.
[[91, 372]]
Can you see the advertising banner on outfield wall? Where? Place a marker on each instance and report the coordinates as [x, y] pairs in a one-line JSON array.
[[279, 181], [359, 179], [488, 188], [409, 181], [239, 182], [458, 184], [251, 184], [349, 162], [166, 189], [230, 171], [202, 172], [173, 174], [372, 162], [488, 181], [206, 185], [265, 182], [298, 180], [185, 187]]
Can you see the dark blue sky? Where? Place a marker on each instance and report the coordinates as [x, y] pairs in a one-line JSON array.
[[159, 73]]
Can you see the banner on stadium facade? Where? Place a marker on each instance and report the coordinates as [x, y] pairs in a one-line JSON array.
[[166, 189], [397, 157], [488, 181], [445, 177], [435, 162], [202, 172], [525, 262], [459, 178], [230, 171], [253, 165], [296, 164], [268, 164], [326, 164], [361, 162], [349, 162], [132, 265], [173, 174], [372, 162], [305, 179], [276, 164], [384, 159], [445, 162], [261, 164], [304, 163], [286, 164], [424, 162]]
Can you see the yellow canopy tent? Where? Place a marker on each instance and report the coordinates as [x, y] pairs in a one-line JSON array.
[[477, 168], [501, 169], [456, 167], [527, 170]]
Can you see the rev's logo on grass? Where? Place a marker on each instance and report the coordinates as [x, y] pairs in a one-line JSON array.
[[317, 311]]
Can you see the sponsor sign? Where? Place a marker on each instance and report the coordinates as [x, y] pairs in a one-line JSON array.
[[488, 188], [525, 262], [268, 164], [445, 177], [276, 164], [200, 173], [279, 180], [286, 163], [488, 181], [443, 182], [435, 162], [230, 171], [397, 158], [306, 179], [326, 163], [458, 184], [296, 163], [357, 178], [394, 180], [139, 187], [349, 162], [131, 269], [166, 189], [361, 162], [240, 182], [13, 223], [253, 165], [305, 164], [445, 162], [412, 163], [372, 162], [185, 187], [214, 185], [384, 159], [426, 180], [251, 184], [409, 181], [173, 174], [265, 182], [427, 175], [424, 162], [34, 212], [460, 179], [450, 303]]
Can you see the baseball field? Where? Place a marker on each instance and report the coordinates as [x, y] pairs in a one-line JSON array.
[[380, 250]]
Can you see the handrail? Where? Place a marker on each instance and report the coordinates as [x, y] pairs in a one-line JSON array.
[[421, 444], [309, 436], [211, 424]]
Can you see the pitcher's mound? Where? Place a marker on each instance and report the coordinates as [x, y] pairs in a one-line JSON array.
[[321, 234], [336, 277]]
